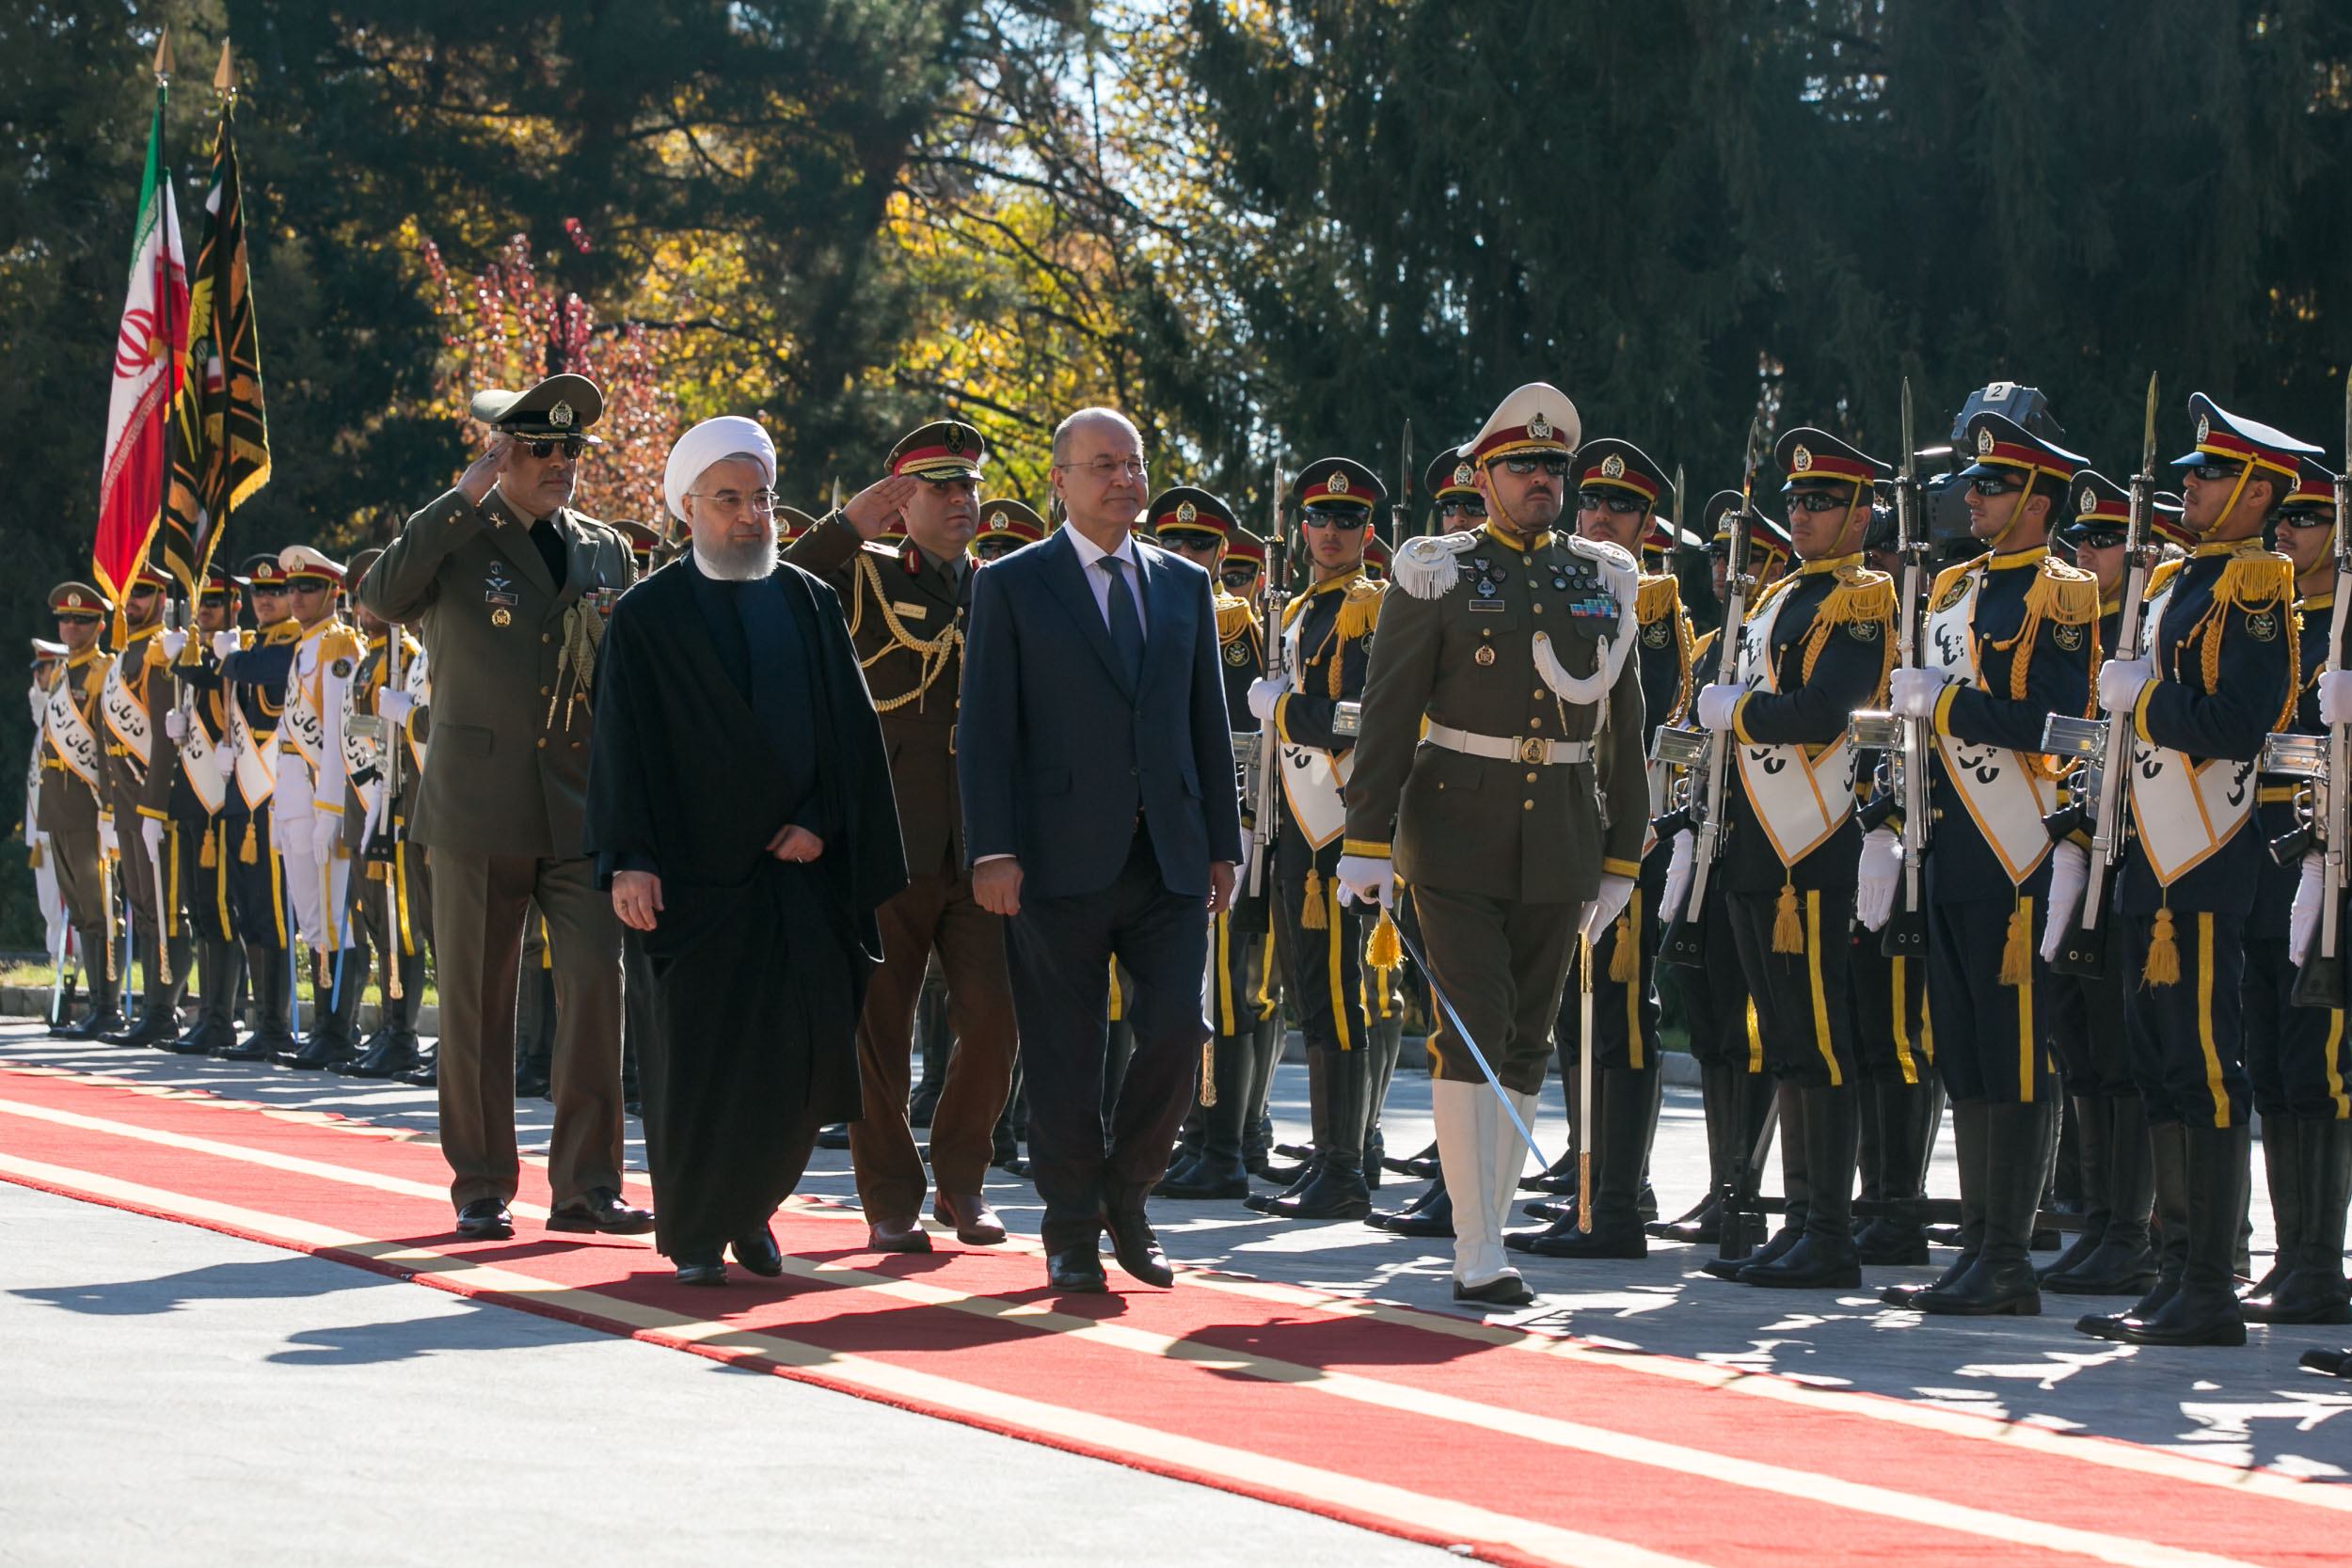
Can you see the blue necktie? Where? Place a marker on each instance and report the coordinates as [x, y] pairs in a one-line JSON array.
[[1126, 625]]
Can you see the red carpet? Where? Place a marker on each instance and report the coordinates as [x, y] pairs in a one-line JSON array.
[[1522, 1449]]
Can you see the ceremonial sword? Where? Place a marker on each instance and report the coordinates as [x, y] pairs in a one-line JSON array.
[[1413, 950]]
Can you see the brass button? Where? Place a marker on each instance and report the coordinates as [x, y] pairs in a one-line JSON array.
[[1536, 723], [1531, 777], [544, 638], [543, 691], [1485, 631], [543, 742], [575, 745], [1537, 695], [1527, 805], [1535, 609]]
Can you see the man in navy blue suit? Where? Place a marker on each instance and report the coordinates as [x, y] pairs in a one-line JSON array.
[[1101, 817]]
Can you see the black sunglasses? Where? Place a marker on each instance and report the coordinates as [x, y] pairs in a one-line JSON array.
[[1555, 467], [1316, 518], [1818, 500], [572, 447], [1990, 484], [1613, 500], [81, 619], [2307, 517], [2105, 539], [269, 589], [1462, 509], [2213, 473]]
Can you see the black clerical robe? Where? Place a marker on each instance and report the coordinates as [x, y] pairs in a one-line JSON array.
[[723, 712]]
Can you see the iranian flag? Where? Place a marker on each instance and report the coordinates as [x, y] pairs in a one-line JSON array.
[[150, 355]]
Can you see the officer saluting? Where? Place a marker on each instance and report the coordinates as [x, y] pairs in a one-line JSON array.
[[1502, 654], [2219, 676], [2008, 640], [511, 586], [1811, 651]]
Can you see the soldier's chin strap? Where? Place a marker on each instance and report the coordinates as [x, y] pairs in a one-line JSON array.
[[2017, 512]]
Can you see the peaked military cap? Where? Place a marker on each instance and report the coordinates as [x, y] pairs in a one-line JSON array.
[[1450, 473], [1242, 544], [1004, 515], [358, 565], [642, 537], [77, 600], [149, 574], [262, 571], [2225, 437], [1766, 537], [1609, 463], [563, 404], [2167, 519], [1536, 418], [2096, 506], [1378, 556], [791, 522], [2314, 489], [2006, 449], [1815, 459], [216, 582], [1329, 481], [300, 562], [944, 449], [1187, 509], [45, 652], [1663, 536]]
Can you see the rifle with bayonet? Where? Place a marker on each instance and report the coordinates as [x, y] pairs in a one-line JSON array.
[[2104, 745], [2320, 982], [1685, 942], [1401, 513], [1906, 934], [1271, 601]]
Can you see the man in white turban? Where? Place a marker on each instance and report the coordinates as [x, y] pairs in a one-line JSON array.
[[739, 810]]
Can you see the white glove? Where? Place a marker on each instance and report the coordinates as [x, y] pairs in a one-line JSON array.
[[326, 828], [2303, 923], [1609, 901], [2335, 697], [1913, 693], [1678, 876], [39, 700], [2120, 683], [1366, 878], [224, 644], [176, 724], [152, 834], [392, 706], [1880, 868], [2070, 872], [1264, 692], [108, 844], [172, 642], [1716, 703]]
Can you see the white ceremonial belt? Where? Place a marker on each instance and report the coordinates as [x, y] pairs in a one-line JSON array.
[[1532, 749]]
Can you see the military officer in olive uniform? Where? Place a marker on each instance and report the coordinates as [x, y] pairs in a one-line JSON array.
[[906, 604], [2007, 641], [139, 762], [1812, 651], [1500, 774], [1197, 525], [511, 586], [1618, 488], [73, 777], [2219, 676]]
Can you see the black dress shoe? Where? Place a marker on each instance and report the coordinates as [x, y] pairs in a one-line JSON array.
[[427, 1074], [1205, 1178], [756, 1250], [259, 1047], [1076, 1270], [835, 1135], [600, 1210], [1136, 1249], [484, 1219], [154, 1031], [1503, 1290], [95, 1027], [2335, 1363], [705, 1267]]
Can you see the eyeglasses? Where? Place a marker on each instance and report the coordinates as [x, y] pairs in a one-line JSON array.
[[1103, 469], [571, 446], [1462, 509], [2213, 473], [1988, 485], [1317, 517], [1623, 505], [1554, 466], [1818, 501], [761, 501]]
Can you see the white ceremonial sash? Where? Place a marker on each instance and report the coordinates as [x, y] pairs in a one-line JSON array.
[[363, 757], [70, 732], [202, 763], [1998, 785], [1800, 798], [256, 761], [124, 713], [301, 728], [2182, 810], [418, 685], [1312, 780]]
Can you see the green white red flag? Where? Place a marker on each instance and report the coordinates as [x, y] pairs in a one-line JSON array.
[[151, 354]]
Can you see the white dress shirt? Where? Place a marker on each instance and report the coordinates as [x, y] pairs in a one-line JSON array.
[[1090, 558]]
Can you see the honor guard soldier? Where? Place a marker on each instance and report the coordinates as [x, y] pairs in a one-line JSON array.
[[73, 814], [1726, 1040], [511, 587], [394, 896], [644, 539], [2296, 1057], [1327, 645], [906, 603], [2008, 640], [1455, 502], [2218, 677], [1006, 525], [1242, 572], [1499, 775], [1198, 525], [1811, 651], [41, 858], [135, 696], [195, 794], [1618, 490]]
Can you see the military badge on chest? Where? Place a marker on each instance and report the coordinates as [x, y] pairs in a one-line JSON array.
[[1485, 586], [1592, 608], [1237, 651], [499, 594]]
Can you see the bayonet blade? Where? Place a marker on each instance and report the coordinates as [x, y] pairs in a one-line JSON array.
[[2148, 436], [1911, 470], [1682, 508], [1747, 474]]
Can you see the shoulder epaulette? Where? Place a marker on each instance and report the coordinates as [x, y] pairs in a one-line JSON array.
[[1428, 567], [1658, 597], [1947, 582], [1861, 595], [1706, 643], [156, 658], [1232, 616], [1360, 611], [2165, 571], [341, 642], [1770, 592], [888, 552], [288, 630], [94, 679], [2062, 594], [2256, 579]]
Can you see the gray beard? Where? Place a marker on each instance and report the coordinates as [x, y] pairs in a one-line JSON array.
[[738, 562]]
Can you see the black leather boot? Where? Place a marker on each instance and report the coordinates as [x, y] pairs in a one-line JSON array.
[[1969, 1140], [2168, 1151], [1217, 1172], [1336, 1191], [1429, 1215], [271, 984], [2314, 1290], [1908, 1116], [1718, 1102], [105, 995], [1625, 1116], [1421, 1168], [2282, 1140], [1824, 1257], [2091, 1126], [2013, 1173], [1794, 1180], [1319, 1129], [334, 1037], [220, 974], [2204, 1311], [1388, 1043], [393, 1053], [2124, 1263], [1257, 1128], [159, 1003]]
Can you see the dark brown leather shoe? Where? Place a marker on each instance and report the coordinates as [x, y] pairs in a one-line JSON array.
[[484, 1219], [898, 1235], [1136, 1249], [600, 1210], [1076, 1271], [974, 1222]]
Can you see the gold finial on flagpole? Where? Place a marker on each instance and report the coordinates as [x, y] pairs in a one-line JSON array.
[[225, 79], [163, 59]]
